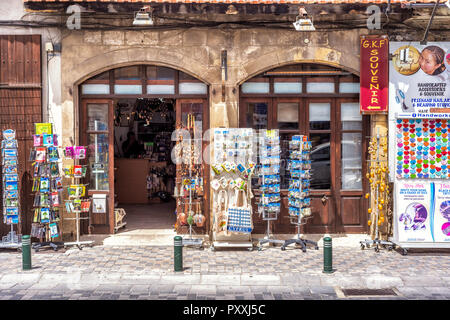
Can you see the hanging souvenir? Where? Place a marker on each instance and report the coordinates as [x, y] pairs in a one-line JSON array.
[[55, 199], [53, 227], [69, 153], [44, 184], [43, 128], [80, 152], [47, 140], [40, 155], [45, 215], [53, 155]]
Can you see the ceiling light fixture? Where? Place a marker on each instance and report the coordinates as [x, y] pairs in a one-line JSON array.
[[303, 22], [143, 17]]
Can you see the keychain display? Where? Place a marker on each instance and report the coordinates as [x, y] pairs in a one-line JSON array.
[[47, 186], [299, 201]]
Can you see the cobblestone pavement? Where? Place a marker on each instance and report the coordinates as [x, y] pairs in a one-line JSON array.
[[104, 272]]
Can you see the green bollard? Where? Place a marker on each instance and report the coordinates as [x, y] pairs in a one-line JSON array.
[[327, 255], [26, 252], [178, 253]]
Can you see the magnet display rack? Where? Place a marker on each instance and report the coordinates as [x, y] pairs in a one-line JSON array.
[[232, 169], [76, 203], [377, 176], [299, 201], [11, 203], [47, 186], [269, 173]]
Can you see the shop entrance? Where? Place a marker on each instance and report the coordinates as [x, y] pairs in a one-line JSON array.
[[130, 135], [323, 103]]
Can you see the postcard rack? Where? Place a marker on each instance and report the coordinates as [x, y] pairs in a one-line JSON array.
[[269, 176], [76, 202], [11, 203], [47, 187], [299, 201]]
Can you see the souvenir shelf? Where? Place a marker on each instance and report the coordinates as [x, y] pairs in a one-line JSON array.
[[299, 201], [11, 206], [47, 186], [77, 202], [379, 190], [232, 168], [269, 174], [189, 187]]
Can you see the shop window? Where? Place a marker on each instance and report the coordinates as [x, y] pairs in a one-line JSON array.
[[95, 88], [160, 80], [350, 116], [160, 73], [349, 87], [320, 160], [190, 85], [320, 84], [351, 160], [256, 85], [287, 85], [127, 80], [287, 115], [319, 116], [98, 144], [256, 115]]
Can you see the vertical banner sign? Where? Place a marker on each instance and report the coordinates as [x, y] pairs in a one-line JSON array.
[[374, 76]]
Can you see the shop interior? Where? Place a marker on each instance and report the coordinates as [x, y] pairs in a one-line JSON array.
[[144, 172]]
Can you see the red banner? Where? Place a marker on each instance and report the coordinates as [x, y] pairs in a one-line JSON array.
[[374, 74]]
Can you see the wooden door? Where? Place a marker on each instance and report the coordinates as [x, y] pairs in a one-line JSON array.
[[20, 109], [97, 133]]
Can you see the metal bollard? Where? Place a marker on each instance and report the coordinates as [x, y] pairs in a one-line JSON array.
[[26, 252], [178, 253], [327, 255]]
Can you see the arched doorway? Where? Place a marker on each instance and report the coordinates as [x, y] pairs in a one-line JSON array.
[[322, 102], [127, 117]]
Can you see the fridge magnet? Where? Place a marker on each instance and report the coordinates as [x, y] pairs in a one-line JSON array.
[[12, 211], [37, 140], [10, 177], [10, 152], [54, 172], [9, 134], [40, 154], [9, 144], [45, 184], [53, 155], [80, 152], [11, 202], [85, 205], [55, 140], [10, 161], [11, 194], [12, 219], [45, 215], [11, 185], [55, 199], [9, 169], [47, 140], [53, 227], [68, 171], [78, 171], [43, 128], [69, 152]]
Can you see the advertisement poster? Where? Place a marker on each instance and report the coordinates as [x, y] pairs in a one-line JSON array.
[[419, 77], [374, 81], [415, 203], [441, 223]]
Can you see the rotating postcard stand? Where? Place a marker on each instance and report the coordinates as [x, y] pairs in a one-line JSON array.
[[378, 179], [76, 204], [10, 189], [299, 202], [269, 172], [232, 168], [47, 186]]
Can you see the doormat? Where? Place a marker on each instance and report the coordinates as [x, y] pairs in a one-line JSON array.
[[369, 292]]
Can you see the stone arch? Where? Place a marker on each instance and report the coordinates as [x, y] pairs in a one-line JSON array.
[[126, 57], [322, 55]]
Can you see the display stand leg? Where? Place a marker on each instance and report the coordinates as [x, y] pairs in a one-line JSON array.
[[267, 238], [299, 241], [78, 243], [11, 240]]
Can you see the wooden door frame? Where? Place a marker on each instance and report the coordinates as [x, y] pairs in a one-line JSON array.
[[110, 221]]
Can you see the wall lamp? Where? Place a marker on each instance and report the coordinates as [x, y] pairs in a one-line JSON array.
[[144, 17], [303, 22]]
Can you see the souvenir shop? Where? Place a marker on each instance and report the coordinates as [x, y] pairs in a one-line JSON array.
[[130, 115]]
